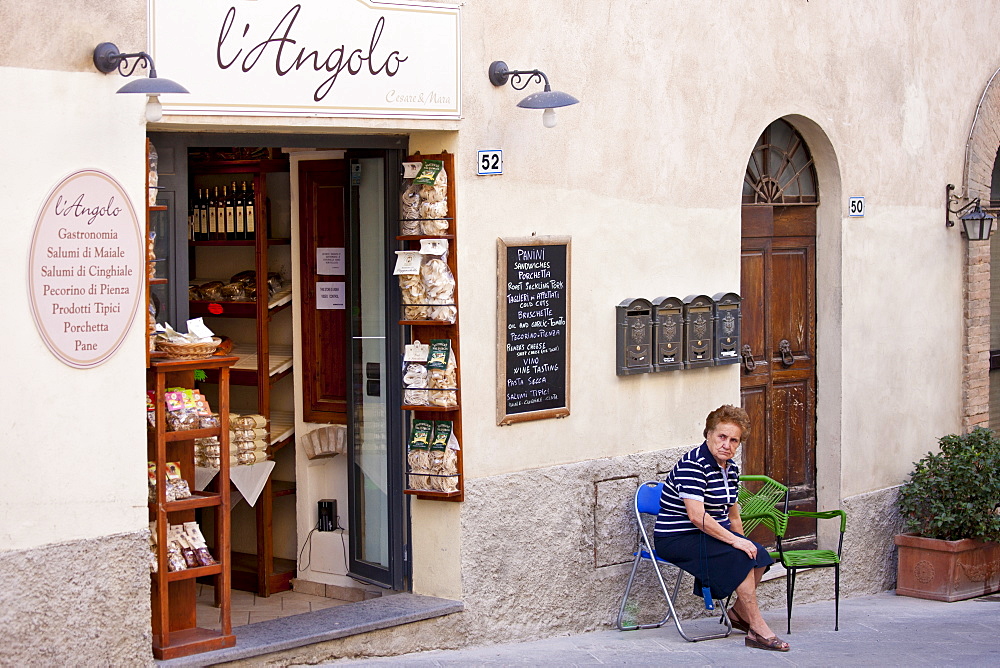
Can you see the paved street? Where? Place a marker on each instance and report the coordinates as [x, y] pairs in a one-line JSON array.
[[878, 630]]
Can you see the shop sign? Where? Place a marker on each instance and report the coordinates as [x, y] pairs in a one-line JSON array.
[[85, 268], [370, 58]]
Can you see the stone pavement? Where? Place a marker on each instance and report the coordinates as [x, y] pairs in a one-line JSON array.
[[884, 629]]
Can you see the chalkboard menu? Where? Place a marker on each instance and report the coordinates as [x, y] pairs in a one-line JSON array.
[[533, 328]]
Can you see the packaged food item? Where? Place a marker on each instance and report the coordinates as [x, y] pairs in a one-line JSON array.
[[209, 421], [409, 208], [154, 559], [197, 540], [433, 211], [436, 450], [446, 463], [418, 455], [251, 421], [177, 536], [211, 291], [438, 281], [151, 408], [234, 292], [442, 375], [415, 384], [175, 558], [177, 486]]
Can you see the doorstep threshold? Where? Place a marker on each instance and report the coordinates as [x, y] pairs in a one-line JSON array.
[[279, 635]]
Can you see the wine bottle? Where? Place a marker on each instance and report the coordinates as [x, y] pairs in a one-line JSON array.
[[213, 215], [228, 212], [249, 212], [239, 198], [220, 213], [202, 214]]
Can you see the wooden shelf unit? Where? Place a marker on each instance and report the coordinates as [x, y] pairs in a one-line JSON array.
[[429, 329], [174, 594], [260, 364]]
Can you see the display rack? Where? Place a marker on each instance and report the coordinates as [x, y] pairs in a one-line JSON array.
[[426, 330], [260, 364], [174, 593]]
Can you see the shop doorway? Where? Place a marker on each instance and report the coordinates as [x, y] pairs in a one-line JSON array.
[[778, 285], [340, 376]]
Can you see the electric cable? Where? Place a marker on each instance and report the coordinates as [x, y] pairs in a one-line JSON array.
[[306, 542]]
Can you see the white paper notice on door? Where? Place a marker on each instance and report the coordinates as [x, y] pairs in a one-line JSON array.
[[330, 262], [330, 295]]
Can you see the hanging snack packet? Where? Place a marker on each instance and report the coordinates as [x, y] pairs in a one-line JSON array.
[[411, 285], [433, 182], [438, 446], [451, 463], [418, 457], [438, 281], [409, 208], [415, 374], [442, 376]]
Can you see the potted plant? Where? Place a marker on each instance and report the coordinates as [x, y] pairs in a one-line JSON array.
[[951, 507]]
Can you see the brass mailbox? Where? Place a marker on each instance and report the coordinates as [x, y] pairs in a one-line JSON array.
[[727, 327], [668, 334], [699, 331], [635, 337]]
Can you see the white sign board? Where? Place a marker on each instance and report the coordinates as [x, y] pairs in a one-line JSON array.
[[371, 58], [330, 261], [856, 207], [86, 268], [330, 295]]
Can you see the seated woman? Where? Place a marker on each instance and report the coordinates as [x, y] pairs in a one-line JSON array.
[[699, 529]]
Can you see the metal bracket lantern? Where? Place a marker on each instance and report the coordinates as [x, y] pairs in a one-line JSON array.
[[547, 99], [107, 59], [976, 223]]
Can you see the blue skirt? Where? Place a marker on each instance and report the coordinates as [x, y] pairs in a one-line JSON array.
[[718, 565]]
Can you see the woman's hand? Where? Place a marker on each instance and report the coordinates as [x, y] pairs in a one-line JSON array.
[[747, 546]]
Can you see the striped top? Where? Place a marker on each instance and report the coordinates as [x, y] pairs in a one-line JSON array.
[[696, 476]]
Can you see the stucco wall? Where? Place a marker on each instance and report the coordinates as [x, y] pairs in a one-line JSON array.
[[645, 174], [72, 541], [77, 603]]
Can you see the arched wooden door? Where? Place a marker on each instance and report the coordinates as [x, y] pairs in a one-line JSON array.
[[778, 286]]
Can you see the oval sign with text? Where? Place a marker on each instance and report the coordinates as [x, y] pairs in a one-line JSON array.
[[85, 268]]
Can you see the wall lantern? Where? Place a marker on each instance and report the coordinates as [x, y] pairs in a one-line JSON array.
[[547, 99], [976, 223], [107, 58]]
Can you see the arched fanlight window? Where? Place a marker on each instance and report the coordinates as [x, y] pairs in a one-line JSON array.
[[780, 170]]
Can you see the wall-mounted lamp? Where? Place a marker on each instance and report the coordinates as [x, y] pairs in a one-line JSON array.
[[548, 99], [976, 223], [107, 59]]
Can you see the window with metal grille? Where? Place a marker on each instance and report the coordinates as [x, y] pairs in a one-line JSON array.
[[780, 170]]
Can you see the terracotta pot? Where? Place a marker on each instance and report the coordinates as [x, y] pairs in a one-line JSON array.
[[947, 570]]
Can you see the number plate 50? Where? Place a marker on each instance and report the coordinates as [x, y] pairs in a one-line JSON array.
[[856, 207]]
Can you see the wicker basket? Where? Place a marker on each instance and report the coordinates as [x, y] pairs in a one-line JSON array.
[[188, 351]]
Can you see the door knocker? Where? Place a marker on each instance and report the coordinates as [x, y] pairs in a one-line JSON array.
[[785, 348]]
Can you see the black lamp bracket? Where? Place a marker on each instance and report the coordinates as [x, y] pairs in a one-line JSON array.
[[519, 79], [107, 59], [949, 198]]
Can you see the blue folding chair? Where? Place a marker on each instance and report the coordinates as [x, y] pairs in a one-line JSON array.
[[647, 503]]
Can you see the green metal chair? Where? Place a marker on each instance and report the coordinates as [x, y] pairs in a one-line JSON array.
[[760, 508]]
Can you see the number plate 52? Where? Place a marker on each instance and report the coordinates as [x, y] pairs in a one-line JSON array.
[[490, 162]]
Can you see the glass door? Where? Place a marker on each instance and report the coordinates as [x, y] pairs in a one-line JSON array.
[[378, 531]]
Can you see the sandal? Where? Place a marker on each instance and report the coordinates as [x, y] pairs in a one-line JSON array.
[[737, 621], [757, 641]]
